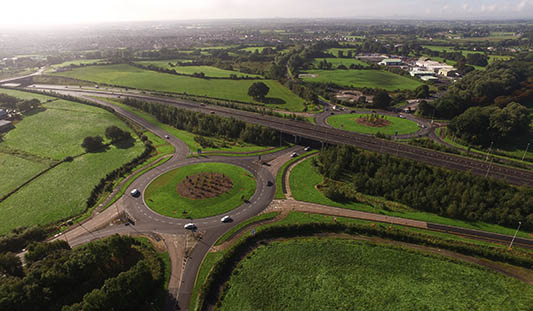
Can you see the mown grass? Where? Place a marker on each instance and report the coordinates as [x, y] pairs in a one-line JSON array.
[[209, 71], [304, 178], [129, 76], [340, 61], [77, 62], [207, 264], [26, 95], [279, 195], [49, 135], [187, 137], [364, 78], [255, 219], [349, 122], [161, 195], [303, 274]]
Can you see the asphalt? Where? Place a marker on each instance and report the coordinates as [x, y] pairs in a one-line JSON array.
[[208, 229]]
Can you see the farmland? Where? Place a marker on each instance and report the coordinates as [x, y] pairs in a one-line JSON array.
[[302, 275], [349, 122], [364, 78], [161, 194], [209, 71], [47, 137], [129, 76], [340, 61]]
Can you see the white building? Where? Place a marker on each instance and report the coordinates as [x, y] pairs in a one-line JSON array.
[[391, 62]]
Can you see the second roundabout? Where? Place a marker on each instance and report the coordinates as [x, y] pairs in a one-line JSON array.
[[200, 190]]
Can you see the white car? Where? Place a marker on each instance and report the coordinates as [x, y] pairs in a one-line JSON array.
[[167, 137], [294, 155], [307, 148], [225, 219], [135, 193], [190, 226]]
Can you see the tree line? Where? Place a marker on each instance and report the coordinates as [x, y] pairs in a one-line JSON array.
[[208, 124], [118, 273], [454, 194]]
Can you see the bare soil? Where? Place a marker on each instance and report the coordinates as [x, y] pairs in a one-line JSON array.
[[204, 186], [373, 122]]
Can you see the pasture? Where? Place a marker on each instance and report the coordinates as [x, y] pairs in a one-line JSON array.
[[340, 61], [364, 78], [340, 274], [209, 71], [129, 76], [46, 137], [162, 196]]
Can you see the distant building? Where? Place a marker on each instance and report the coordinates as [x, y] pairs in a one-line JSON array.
[[3, 114], [420, 72], [428, 78], [447, 72], [391, 62], [434, 66], [5, 125]]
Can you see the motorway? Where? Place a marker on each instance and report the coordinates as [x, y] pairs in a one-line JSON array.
[[330, 135], [147, 222]]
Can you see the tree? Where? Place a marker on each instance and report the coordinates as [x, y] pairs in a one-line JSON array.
[[477, 59], [10, 264], [92, 143], [258, 90], [422, 91], [382, 99], [340, 54], [115, 134]]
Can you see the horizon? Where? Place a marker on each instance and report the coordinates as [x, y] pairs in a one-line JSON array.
[[34, 13]]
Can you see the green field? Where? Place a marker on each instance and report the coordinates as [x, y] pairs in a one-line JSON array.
[[348, 122], [129, 76], [75, 62], [304, 179], [187, 137], [335, 51], [448, 48], [340, 61], [304, 274], [43, 138], [209, 71], [364, 78], [26, 95], [161, 195]]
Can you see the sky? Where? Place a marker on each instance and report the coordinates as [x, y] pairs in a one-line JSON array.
[[52, 12]]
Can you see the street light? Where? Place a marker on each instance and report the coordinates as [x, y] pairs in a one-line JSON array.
[[527, 148], [519, 223]]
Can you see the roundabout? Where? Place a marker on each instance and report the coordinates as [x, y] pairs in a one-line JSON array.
[[367, 123], [200, 190]]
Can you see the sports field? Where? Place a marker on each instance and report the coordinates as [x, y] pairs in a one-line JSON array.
[[44, 138], [340, 61], [209, 71], [129, 76], [364, 78], [349, 122], [162, 196], [338, 274]]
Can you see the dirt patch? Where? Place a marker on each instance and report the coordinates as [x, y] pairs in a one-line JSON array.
[[204, 186], [373, 121]]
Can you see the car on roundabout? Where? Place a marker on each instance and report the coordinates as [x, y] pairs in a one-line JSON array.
[[226, 219], [189, 226], [135, 193]]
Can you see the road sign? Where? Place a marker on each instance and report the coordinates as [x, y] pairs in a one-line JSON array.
[[253, 231], [199, 151]]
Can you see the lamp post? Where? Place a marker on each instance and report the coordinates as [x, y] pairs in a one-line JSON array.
[[527, 148], [488, 156], [516, 232]]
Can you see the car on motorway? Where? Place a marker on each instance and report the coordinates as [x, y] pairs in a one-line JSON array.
[[135, 193], [307, 148], [294, 155], [270, 183], [212, 112], [167, 137], [225, 219], [189, 226]]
